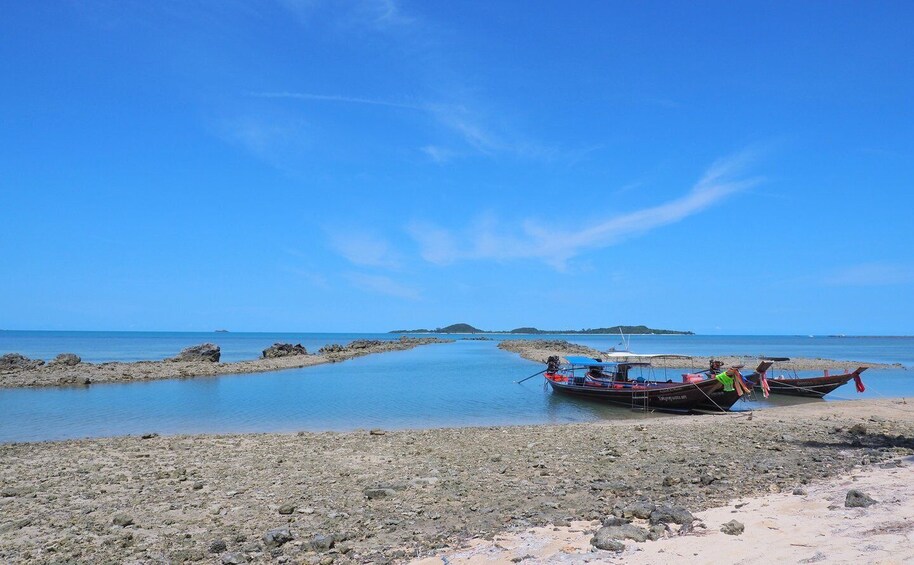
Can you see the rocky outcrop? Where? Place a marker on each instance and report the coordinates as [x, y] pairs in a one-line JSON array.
[[203, 352], [17, 362], [284, 350], [66, 359]]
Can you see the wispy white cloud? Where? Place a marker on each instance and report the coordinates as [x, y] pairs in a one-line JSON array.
[[364, 249], [488, 239], [335, 98], [439, 154], [871, 274], [380, 284]]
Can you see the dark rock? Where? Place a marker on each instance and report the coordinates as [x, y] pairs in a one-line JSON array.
[[603, 540], [671, 515], [66, 359], [330, 349], [640, 510], [217, 546], [321, 542], [733, 528], [16, 362], [203, 352], [122, 520], [857, 499], [284, 350], [799, 491], [614, 521], [149, 436], [287, 508], [376, 432], [198, 485], [625, 531], [858, 430], [686, 528], [276, 537]]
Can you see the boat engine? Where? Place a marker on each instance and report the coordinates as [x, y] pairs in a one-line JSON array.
[[552, 364]]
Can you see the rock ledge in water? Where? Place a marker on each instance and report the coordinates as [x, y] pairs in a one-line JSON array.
[[284, 350], [17, 362], [203, 352]]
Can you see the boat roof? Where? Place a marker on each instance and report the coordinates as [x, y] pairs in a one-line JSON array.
[[766, 358], [588, 361], [591, 362]]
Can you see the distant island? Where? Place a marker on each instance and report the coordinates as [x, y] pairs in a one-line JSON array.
[[468, 329]]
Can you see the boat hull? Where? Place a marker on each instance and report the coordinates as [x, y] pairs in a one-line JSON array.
[[815, 387], [668, 397]]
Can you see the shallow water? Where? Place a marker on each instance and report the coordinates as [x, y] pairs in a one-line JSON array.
[[466, 383]]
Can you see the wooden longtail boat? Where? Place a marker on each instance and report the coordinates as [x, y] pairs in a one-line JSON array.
[[609, 382], [720, 400], [812, 387]]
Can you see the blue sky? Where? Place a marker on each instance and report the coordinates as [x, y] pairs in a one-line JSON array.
[[363, 166]]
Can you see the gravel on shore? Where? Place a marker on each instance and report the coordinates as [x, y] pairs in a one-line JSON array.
[[539, 350], [87, 373], [387, 496]]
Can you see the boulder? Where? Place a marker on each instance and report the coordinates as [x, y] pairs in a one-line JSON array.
[[284, 350], [66, 360], [17, 362], [857, 499], [625, 531], [276, 537], [203, 352], [671, 515], [330, 349], [604, 540], [733, 528], [287, 508], [321, 542]]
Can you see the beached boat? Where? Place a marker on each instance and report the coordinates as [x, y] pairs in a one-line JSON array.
[[720, 400], [613, 383], [812, 387]]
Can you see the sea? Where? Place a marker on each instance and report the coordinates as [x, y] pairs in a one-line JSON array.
[[466, 383]]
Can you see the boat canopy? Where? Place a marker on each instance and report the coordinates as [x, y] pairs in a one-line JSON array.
[[588, 361], [766, 358]]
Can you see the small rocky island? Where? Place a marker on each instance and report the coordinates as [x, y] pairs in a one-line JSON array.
[[463, 328]]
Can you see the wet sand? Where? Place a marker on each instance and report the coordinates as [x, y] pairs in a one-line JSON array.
[[376, 496], [88, 373]]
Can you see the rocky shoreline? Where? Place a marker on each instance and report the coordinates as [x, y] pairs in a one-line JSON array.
[[379, 497], [540, 350], [198, 361]]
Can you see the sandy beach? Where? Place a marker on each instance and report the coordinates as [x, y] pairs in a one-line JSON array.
[[51, 374], [391, 496]]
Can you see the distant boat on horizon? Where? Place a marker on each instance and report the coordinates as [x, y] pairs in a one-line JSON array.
[[221, 331]]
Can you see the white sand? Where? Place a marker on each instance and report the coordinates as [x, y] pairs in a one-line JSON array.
[[780, 528]]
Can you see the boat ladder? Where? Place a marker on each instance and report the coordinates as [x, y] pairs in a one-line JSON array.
[[640, 400]]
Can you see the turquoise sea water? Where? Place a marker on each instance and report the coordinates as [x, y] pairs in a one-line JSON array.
[[466, 383]]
